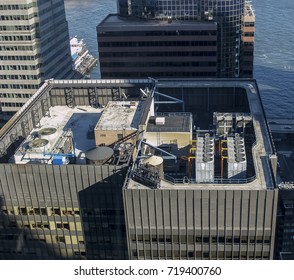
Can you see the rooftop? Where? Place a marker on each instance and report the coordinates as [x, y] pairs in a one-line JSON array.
[[69, 110], [249, 12], [113, 22], [200, 97], [76, 120], [173, 122], [261, 150], [121, 115]]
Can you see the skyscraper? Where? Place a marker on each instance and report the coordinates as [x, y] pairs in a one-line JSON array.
[[227, 14], [247, 42], [285, 223], [34, 46], [142, 48]]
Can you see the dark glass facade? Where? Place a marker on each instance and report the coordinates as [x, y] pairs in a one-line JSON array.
[[285, 225], [247, 43], [227, 14], [147, 49]]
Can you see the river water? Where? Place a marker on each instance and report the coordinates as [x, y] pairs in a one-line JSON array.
[[274, 54]]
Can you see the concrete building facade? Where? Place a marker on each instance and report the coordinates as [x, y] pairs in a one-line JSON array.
[[191, 217], [196, 224], [63, 211], [34, 46], [144, 200]]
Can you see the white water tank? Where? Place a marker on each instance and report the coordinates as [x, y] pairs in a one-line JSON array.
[[156, 163]]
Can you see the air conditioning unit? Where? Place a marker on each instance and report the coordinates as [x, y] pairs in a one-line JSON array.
[[160, 121]]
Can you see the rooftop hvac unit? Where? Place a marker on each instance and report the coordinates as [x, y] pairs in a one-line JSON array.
[[160, 120], [240, 157], [208, 148], [133, 105], [237, 163], [242, 119], [38, 143], [223, 122], [204, 163], [31, 151], [48, 133]]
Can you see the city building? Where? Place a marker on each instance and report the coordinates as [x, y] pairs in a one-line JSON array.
[[247, 42], [283, 136], [34, 46], [189, 172], [216, 201], [235, 20], [68, 203], [133, 47], [285, 223]]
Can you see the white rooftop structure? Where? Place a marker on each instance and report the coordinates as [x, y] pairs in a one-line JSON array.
[[76, 122], [121, 115]]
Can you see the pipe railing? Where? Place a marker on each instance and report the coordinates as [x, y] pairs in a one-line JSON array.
[[217, 180]]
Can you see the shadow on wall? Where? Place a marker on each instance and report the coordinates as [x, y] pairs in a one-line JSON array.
[[103, 218], [19, 243], [11, 149]]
